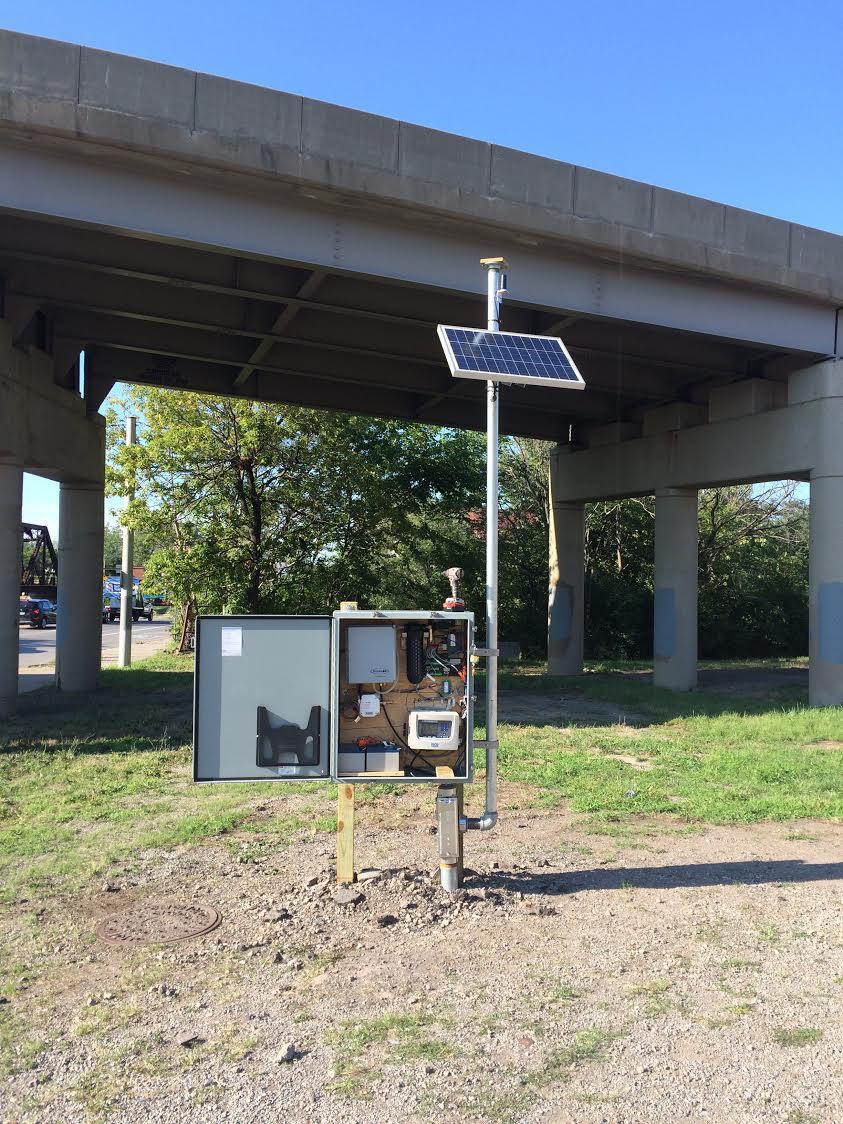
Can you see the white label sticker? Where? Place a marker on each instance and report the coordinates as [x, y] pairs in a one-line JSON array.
[[232, 641]]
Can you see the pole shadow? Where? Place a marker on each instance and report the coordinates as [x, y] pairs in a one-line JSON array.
[[754, 872]]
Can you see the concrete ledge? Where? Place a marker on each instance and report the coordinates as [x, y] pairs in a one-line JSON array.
[[524, 178], [796, 442], [33, 410], [684, 216], [823, 381], [129, 85], [239, 110], [347, 134], [39, 66], [675, 415], [749, 396], [601, 196], [612, 434], [757, 236], [427, 154]]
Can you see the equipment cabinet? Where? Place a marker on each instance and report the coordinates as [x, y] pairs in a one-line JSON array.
[[360, 696]]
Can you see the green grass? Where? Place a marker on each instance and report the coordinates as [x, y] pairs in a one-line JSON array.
[[89, 782], [713, 757], [797, 1036], [399, 1038]]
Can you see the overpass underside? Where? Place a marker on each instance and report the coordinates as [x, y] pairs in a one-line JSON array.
[[197, 234]]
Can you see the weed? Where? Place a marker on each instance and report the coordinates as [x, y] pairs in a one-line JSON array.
[[744, 1008], [710, 934], [587, 1045], [654, 992], [563, 994], [399, 1035], [232, 1046], [797, 1035], [769, 932], [19, 1048], [717, 1022], [597, 1098]]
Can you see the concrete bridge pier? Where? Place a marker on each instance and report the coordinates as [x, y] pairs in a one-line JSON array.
[[79, 611], [47, 428], [675, 590], [823, 387], [565, 612], [11, 490], [825, 681], [750, 429]]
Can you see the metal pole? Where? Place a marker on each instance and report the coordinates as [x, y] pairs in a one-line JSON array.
[[127, 586], [492, 445], [494, 267], [450, 820]]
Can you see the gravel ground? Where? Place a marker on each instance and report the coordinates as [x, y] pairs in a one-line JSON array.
[[644, 975]]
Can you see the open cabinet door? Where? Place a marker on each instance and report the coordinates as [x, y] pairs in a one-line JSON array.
[[262, 698]]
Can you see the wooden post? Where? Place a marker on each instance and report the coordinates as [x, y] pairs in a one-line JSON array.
[[345, 833]]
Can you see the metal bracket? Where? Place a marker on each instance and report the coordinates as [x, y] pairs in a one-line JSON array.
[[486, 744], [485, 651]]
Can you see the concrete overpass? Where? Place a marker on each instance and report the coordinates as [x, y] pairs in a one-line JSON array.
[[193, 232]]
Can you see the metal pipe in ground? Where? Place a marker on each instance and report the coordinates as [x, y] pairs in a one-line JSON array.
[[448, 832]]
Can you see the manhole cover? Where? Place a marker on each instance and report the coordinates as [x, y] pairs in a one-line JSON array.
[[158, 923]]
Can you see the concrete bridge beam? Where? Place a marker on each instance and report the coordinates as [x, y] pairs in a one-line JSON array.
[[675, 590]]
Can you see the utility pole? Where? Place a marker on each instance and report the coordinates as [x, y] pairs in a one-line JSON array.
[[127, 584]]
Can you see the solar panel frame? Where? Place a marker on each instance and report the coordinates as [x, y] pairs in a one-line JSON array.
[[546, 364]]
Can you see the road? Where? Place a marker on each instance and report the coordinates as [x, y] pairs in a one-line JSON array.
[[37, 648]]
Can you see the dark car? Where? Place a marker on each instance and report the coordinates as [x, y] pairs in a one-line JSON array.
[[111, 610], [37, 612]]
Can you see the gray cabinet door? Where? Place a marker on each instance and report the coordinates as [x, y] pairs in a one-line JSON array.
[[261, 698]]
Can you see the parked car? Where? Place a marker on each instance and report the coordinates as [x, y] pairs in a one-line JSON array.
[[111, 609], [37, 612]]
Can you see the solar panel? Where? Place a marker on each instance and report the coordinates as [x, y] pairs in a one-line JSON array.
[[511, 357]]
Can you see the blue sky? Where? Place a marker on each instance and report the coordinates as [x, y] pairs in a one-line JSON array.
[[737, 101]]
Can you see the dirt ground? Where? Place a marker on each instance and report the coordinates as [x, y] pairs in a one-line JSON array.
[[640, 974]]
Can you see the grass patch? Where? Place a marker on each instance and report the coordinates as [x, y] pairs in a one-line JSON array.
[[586, 1045], [654, 992], [401, 1036], [797, 1035], [19, 1047], [90, 782], [397, 1038]]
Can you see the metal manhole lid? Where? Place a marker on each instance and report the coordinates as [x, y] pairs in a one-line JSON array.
[[158, 923]]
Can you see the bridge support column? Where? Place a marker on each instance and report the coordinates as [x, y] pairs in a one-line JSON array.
[[79, 612], [565, 614], [11, 492], [675, 590]]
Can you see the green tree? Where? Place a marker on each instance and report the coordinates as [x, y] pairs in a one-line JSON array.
[[145, 545], [281, 509]]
